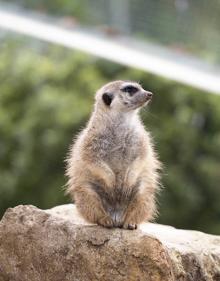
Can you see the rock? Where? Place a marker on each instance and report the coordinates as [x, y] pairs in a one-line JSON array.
[[58, 245]]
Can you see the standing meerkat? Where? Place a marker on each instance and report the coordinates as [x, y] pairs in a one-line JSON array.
[[112, 167]]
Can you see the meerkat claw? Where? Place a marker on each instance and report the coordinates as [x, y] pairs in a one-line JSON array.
[[106, 222], [130, 226]]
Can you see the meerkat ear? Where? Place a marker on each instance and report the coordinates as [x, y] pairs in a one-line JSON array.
[[107, 98]]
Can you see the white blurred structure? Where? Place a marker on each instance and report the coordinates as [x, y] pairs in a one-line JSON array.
[[119, 49]]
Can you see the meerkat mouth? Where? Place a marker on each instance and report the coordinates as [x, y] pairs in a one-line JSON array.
[[148, 100]]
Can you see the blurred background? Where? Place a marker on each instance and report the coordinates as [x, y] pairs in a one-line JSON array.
[[48, 78]]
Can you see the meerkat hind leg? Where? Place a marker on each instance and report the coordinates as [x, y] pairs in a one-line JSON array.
[[138, 211], [90, 207]]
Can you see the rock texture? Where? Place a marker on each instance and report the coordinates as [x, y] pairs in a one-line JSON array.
[[57, 245]]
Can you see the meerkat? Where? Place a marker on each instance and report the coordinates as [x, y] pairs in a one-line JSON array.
[[112, 168]]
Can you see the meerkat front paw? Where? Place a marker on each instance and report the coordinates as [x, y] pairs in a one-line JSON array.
[[106, 222], [130, 226]]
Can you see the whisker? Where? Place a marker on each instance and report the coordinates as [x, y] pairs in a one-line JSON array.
[[146, 110]]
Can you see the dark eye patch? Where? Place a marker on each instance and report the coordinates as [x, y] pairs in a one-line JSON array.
[[130, 89]]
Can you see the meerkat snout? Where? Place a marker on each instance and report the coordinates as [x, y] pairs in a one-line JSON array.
[[149, 95], [112, 167]]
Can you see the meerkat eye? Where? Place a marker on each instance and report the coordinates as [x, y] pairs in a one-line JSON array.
[[130, 89]]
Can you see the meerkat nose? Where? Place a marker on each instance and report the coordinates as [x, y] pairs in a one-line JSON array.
[[149, 95]]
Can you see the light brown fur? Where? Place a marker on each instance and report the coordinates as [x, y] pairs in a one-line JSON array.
[[112, 166]]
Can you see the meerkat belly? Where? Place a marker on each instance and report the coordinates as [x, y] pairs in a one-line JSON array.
[[114, 202], [118, 153]]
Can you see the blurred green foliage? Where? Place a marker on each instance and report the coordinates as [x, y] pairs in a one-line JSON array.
[[46, 96]]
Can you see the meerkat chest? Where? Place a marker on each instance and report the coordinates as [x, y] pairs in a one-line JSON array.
[[119, 147]]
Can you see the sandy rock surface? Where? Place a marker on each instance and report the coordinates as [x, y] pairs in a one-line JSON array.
[[58, 245]]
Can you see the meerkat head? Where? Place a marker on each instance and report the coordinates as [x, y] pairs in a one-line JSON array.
[[122, 96]]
